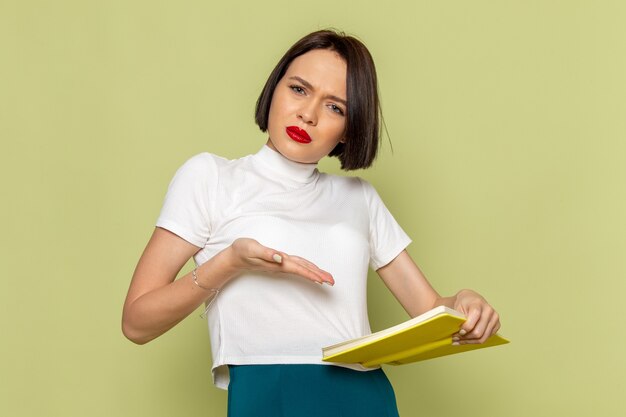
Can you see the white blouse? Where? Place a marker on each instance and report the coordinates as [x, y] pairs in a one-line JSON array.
[[339, 223]]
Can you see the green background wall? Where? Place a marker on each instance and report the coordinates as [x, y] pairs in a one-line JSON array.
[[508, 169]]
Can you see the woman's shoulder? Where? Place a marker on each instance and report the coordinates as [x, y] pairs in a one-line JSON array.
[[349, 182], [204, 162], [358, 185], [206, 158], [354, 180]]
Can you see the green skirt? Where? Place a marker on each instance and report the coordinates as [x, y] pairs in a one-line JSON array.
[[305, 390]]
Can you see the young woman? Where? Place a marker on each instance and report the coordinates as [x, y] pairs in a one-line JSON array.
[[265, 229]]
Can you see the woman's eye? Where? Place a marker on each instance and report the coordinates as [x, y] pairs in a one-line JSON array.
[[336, 109], [297, 89]]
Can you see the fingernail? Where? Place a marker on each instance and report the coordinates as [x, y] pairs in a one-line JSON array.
[[318, 282], [277, 258], [455, 343], [462, 332], [455, 339]]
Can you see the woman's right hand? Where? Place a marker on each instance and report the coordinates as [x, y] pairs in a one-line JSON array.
[[248, 254]]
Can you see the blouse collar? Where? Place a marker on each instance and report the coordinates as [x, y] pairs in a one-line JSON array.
[[296, 171]]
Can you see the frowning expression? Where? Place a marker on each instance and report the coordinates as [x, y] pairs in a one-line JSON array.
[[307, 117]]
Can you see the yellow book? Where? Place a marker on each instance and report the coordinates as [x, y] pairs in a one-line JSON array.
[[423, 337]]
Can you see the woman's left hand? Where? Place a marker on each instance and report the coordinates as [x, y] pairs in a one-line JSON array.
[[482, 320]]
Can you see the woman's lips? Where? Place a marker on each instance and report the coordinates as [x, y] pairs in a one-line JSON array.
[[298, 134]]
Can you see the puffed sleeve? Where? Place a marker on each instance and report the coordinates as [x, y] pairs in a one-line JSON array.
[[386, 238], [188, 203]]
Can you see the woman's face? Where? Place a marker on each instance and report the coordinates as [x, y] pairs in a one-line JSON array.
[[307, 116]]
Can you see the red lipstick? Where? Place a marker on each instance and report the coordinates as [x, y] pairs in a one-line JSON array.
[[298, 134]]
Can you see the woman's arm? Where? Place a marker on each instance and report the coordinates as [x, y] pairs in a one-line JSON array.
[[411, 288], [156, 302]]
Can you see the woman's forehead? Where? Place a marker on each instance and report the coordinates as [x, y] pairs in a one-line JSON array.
[[322, 68]]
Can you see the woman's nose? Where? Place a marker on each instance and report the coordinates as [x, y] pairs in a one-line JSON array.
[[308, 113]]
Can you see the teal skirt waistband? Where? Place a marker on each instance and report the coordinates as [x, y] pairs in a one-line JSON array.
[[307, 390]]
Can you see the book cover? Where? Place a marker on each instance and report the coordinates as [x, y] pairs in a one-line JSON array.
[[423, 337]]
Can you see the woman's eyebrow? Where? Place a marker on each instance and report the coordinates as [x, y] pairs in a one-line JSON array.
[[310, 87]]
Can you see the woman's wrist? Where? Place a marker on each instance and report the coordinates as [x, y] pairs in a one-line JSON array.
[[217, 271], [463, 293]]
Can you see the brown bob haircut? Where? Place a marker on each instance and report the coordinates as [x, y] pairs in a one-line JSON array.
[[362, 134]]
